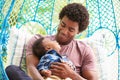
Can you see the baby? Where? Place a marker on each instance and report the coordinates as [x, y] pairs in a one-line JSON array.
[[48, 52]]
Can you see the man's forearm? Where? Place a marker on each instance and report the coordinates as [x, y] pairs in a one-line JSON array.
[[33, 72], [76, 76], [31, 62]]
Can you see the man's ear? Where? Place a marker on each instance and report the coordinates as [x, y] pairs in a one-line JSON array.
[[48, 48]]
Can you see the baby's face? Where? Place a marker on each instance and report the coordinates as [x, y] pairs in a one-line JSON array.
[[51, 44]]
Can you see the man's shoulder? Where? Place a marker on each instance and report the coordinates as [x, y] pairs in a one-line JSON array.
[[80, 42], [82, 45]]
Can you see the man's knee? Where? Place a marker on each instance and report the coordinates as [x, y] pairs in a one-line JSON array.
[[16, 73], [11, 68], [11, 72]]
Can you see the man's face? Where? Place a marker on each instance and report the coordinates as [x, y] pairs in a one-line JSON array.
[[67, 29]]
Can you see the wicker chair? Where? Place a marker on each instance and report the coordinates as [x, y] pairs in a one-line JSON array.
[[103, 30]]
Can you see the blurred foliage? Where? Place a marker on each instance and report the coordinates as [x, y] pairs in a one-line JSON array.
[[34, 28]]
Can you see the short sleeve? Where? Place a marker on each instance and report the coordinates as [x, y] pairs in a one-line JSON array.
[[30, 43], [89, 62]]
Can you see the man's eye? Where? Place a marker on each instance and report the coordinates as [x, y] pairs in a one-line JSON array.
[[71, 30], [62, 25]]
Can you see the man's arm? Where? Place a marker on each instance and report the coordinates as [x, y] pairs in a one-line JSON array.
[[32, 62], [89, 69], [90, 75], [87, 75]]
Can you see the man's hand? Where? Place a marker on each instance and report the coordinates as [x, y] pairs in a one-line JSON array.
[[62, 70]]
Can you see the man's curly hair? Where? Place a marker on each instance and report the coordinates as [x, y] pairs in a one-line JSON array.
[[76, 12]]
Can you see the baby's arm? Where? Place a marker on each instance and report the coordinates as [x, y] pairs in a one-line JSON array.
[[43, 66]]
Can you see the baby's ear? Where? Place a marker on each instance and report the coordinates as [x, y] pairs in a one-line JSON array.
[[48, 48]]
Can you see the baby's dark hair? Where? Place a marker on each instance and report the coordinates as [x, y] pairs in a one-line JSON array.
[[38, 48], [76, 12]]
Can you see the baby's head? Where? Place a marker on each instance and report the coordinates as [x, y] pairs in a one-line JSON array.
[[42, 45]]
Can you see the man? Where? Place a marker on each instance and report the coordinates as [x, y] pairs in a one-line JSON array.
[[74, 19]]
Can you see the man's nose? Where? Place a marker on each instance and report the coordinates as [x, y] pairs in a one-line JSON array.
[[65, 31]]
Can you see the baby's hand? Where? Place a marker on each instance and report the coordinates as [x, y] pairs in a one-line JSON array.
[[46, 73]]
